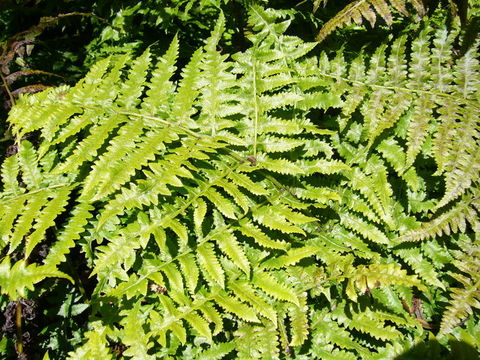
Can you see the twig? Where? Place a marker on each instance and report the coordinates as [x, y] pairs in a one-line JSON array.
[[18, 324], [7, 89]]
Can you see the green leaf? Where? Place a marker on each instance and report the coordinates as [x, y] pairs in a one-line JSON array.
[[236, 307], [221, 203], [190, 271], [27, 157], [9, 175], [246, 293], [210, 265], [273, 288], [229, 244], [199, 212], [292, 257], [273, 219], [47, 218], [260, 237], [216, 352]]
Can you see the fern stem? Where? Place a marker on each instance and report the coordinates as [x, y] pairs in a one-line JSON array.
[[169, 124], [40, 190], [18, 324]]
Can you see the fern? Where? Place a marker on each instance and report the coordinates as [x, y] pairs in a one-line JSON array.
[[390, 111], [464, 299], [212, 209], [358, 10], [141, 153], [16, 279]]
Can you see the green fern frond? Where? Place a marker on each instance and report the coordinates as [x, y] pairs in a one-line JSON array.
[[359, 226], [133, 335], [96, 344], [366, 322], [463, 299], [229, 245], [292, 257], [455, 220], [26, 216], [72, 232], [210, 264], [421, 266], [49, 213], [273, 288], [300, 324], [260, 237], [133, 86], [216, 352], [16, 279], [247, 294], [328, 332], [257, 342]]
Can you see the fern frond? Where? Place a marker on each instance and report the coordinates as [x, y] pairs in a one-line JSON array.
[[257, 342], [366, 322], [229, 245], [328, 332], [27, 157], [133, 334], [31, 116], [96, 344], [358, 10], [16, 279], [247, 294], [111, 257], [378, 275], [421, 266], [27, 216], [450, 222], [281, 221], [216, 352], [200, 325], [367, 230], [217, 96], [183, 106], [9, 212], [160, 85], [465, 298], [212, 208], [87, 149], [132, 88], [292, 257], [260, 237]]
